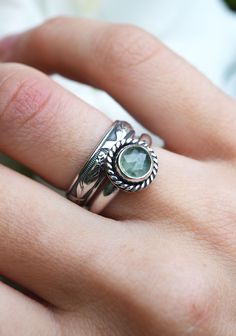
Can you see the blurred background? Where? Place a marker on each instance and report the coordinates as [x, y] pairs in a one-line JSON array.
[[203, 32], [231, 4]]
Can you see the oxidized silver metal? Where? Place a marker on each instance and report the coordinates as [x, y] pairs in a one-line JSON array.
[[100, 178], [92, 181], [126, 183]]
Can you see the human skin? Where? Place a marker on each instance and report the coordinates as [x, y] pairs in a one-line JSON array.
[[160, 262]]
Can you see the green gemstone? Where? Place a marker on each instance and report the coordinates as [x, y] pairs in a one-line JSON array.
[[134, 162]]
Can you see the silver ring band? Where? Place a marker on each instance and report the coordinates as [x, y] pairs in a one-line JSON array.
[[88, 183], [120, 162]]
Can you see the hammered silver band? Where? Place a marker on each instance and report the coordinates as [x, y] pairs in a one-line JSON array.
[[101, 177]]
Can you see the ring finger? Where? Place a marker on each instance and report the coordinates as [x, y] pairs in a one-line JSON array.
[[47, 128]]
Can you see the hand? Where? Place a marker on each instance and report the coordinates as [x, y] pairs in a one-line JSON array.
[[158, 262]]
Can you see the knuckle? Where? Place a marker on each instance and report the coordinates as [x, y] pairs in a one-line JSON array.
[[125, 46], [24, 99]]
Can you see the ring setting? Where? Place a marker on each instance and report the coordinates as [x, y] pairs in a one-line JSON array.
[[121, 161], [131, 165]]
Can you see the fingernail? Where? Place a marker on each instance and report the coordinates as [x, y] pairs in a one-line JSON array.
[[6, 46]]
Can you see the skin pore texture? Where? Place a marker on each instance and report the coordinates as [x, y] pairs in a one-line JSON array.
[[157, 262]]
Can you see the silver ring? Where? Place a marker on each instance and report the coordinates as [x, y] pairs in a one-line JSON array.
[[121, 161]]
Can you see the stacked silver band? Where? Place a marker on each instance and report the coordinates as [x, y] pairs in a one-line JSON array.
[[102, 175]]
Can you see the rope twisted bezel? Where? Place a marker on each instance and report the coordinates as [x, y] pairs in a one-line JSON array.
[[119, 180]]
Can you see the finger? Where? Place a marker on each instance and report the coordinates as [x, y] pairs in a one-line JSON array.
[[159, 203], [48, 245], [45, 127], [20, 315], [167, 95]]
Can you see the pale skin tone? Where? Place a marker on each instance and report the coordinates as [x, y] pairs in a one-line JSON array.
[[158, 262]]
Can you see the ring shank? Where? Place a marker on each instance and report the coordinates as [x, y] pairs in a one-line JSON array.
[[91, 188]]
